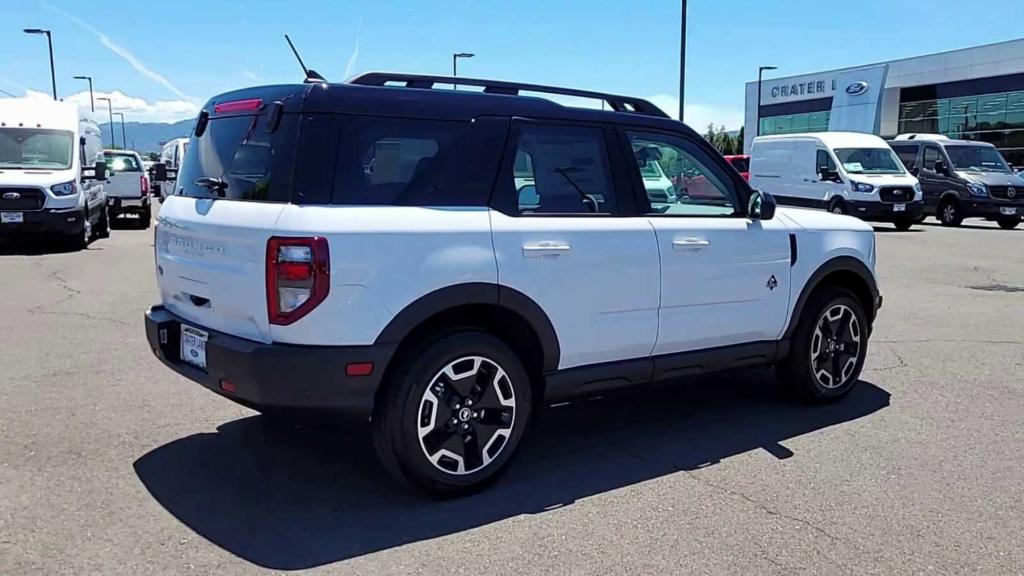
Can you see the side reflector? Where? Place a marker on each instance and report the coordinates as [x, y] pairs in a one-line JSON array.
[[228, 387], [359, 369], [238, 106]]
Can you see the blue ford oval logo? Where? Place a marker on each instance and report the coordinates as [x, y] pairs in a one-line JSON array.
[[857, 88]]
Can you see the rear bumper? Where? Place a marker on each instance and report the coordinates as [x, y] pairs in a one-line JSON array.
[[884, 211], [273, 375], [46, 221]]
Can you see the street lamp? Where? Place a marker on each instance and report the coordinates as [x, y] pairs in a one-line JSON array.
[[760, 73], [110, 110], [49, 42], [92, 102], [682, 60], [455, 63], [124, 137]]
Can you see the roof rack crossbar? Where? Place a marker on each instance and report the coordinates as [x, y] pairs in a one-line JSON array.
[[616, 102]]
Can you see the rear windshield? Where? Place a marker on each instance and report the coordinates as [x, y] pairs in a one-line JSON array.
[[253, 163], [118, 162], [741, 164], [977, 159]]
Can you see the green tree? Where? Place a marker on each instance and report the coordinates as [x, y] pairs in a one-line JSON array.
[[739, 140]]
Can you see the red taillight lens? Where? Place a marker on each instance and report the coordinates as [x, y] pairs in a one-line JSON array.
[[144, 185], [249, 105], [298, 277]]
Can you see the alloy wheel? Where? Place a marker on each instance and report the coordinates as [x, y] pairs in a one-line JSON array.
[[466, 415], [835, 346], [949, 213]]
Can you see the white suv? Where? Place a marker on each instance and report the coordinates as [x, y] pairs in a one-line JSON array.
[[380, 251]]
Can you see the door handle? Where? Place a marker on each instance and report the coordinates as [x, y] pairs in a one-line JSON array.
[[545, 249], [690, 244]]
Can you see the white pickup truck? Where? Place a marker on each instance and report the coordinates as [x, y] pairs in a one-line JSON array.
[[127, 186]]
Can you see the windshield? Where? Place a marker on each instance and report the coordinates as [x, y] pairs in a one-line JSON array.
[[33, 148], [652, 170], [977, 158], [869, 161], [119, 162]]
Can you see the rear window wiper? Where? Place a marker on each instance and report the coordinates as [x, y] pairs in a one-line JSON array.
[[216, 185]]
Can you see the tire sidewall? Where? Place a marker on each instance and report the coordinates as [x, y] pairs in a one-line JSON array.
[[410, 388]]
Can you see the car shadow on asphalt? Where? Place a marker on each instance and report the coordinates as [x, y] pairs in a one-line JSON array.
[[287, 498], [38, 247]]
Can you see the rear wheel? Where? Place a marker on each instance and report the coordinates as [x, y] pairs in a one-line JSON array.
[[452, 417], [903, 224], [828, 347], [950, 213], [1009, 222], [837, 206]]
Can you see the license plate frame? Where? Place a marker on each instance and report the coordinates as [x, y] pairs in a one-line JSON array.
[[192, 348], [12, 217], [901, 207], [1008, 210]]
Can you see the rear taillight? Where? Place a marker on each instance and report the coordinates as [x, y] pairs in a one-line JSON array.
[[298, 277], [144, 185]]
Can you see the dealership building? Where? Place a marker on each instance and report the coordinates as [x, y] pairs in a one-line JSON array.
[[972, 94]]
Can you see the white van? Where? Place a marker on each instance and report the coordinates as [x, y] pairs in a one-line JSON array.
[[51, 172], [842, 172], [171, 156]]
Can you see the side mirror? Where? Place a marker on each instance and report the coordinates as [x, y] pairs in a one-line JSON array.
[[941, 168], [761, 206], [914, 170], [827, 175], [161, 173], [97, 172]]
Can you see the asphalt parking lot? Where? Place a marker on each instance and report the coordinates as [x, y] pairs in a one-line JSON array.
[[112, 464]]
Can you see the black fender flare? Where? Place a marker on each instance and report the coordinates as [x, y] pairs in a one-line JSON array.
[[837, 264], [457, 295], [949, 194]]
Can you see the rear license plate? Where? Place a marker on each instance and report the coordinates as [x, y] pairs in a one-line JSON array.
[[193, 346], [1008, 211], [899, 207], [11, 217]]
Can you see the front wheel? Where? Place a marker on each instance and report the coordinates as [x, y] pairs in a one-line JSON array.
[[451, 419], [837, 206], [903, 224], [80, 240], [950, 213], [103, 226], [1009, 222], [828, 348]]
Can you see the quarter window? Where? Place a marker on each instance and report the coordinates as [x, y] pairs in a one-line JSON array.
[[680, 179], [563, 170]]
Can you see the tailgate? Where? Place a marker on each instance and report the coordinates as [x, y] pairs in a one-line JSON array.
[[210, 257], [124, 185]]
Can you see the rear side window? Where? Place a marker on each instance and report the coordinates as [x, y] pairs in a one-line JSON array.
[[907, 154], [404, 162], [562, 170], [741, 164], [255, 164]]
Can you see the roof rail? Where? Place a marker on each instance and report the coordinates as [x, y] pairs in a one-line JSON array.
[[617, 103]]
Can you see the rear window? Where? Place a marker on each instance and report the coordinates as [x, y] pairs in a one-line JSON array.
[[740, 164], [117, 162], [404, 162], [255, 164]]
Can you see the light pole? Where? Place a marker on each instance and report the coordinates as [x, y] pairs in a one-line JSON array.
[[124, 137], [92, 101], [455, 64], [110, 111], [682, 61], [49, 42], [760, 73]]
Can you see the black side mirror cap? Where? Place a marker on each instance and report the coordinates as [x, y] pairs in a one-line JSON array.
[[97, 172], [161, 173], [941, 168], [761, 206]]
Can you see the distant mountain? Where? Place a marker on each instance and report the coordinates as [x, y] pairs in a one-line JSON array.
[[147, 136]]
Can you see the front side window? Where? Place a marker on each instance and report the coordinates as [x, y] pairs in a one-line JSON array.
[[869, 161], [680, 179], [931, 156], [977, 158], [35, 149], [563, 170], [824, 161]]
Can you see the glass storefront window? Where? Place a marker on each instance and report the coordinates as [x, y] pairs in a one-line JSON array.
[[996, 118], [795, 123]]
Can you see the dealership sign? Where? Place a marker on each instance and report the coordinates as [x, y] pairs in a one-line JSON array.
[[798, 89]]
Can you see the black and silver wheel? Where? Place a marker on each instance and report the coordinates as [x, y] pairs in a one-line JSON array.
[[950, 213], [837, 206], [828, 348], [103, 225], [80, 240], [452, 418], [1008, 222], [903, 224]]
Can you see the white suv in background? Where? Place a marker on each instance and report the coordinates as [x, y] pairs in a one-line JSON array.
[[445, 263]]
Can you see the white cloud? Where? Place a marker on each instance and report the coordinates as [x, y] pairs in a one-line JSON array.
[[124, 53], [698, 116], [350, 67], [135, 109]]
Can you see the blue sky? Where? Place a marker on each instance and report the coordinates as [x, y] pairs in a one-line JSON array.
[[161, 60]]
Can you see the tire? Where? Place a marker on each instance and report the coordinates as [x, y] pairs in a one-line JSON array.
[[950, 213], [903, 224], [80, 240], [837, 206], [1009, 223], [102, 229], [146, 218], [808, 370], [427, 428]]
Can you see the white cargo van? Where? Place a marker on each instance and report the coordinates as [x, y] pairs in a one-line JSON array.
[[51, 172], [842, 172]]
